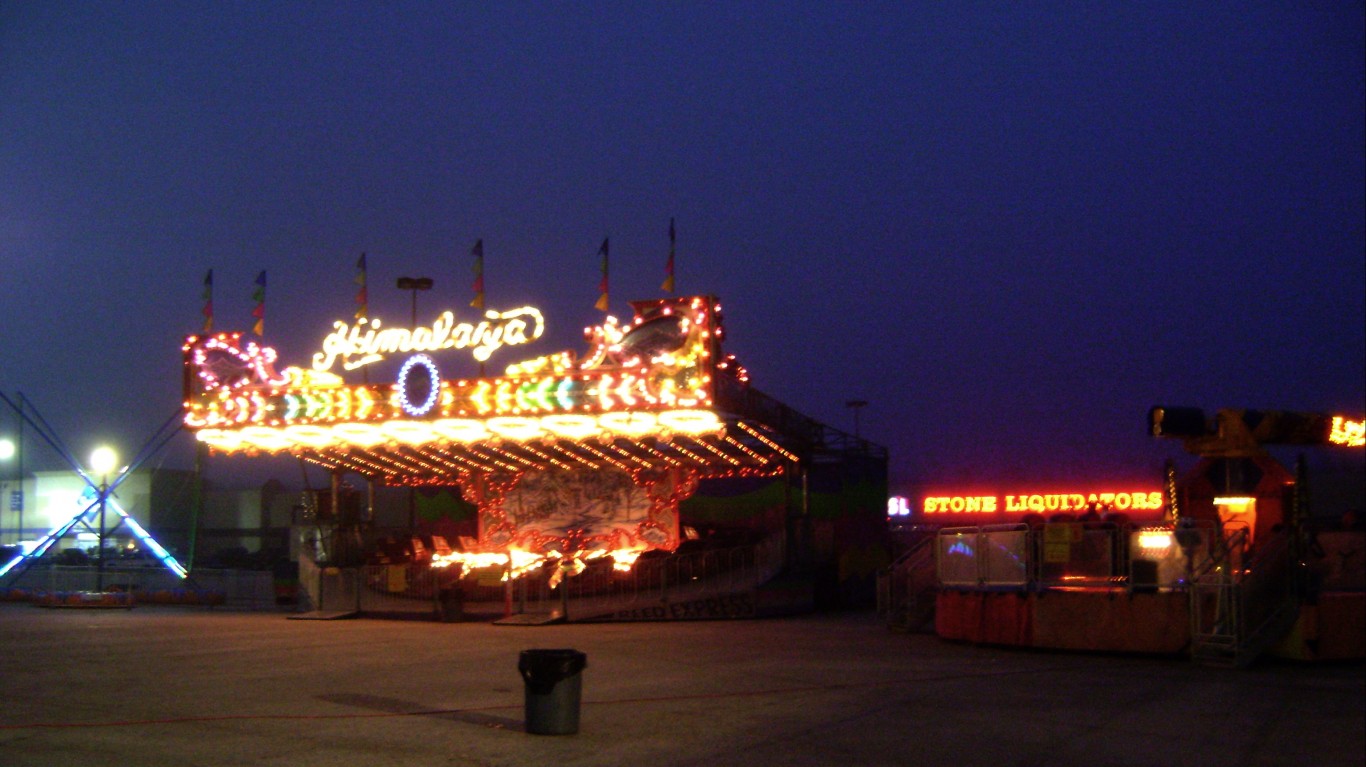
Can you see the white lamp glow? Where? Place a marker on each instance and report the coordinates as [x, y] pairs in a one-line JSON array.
[[103, 461]]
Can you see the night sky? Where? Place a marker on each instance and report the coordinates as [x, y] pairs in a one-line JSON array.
[[1009, 227]]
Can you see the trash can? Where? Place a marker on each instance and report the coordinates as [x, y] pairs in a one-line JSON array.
[[554, 681], [1144, 576], [451, 605]]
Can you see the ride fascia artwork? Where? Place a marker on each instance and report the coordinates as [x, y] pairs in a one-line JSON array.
[[565, 458]]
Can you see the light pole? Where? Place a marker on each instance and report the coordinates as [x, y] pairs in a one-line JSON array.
[[414, 284], [856, 405], [7, 450], [102, 462]]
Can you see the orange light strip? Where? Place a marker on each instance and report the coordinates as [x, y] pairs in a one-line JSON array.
[[694, 457], [1347, 432], [661, 456], [574, 455], [628, 455], [763, 460], [723, 455], [604, 456], [770, 444]]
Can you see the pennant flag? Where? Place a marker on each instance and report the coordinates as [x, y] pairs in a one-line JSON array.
[[602, 303], [668, 286], [478, 253], [208, 302], [259, 296], [362, 296]]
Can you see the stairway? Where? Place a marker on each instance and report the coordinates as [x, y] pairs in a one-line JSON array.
[[907, 589], [1239, 609]]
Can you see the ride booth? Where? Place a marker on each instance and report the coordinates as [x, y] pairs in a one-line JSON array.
[[1061, 570], [1218, 563]]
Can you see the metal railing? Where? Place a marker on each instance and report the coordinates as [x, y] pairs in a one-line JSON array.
[[600, 589], [418, 590], [1079, 554], [907, 588], [991, 557], [1062, 555], [232, 589]]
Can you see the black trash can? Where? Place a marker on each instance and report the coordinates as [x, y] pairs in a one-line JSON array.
[[554, 682], [451, 605], [1144, 576]]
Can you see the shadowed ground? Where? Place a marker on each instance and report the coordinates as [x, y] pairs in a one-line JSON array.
[[188, 686]]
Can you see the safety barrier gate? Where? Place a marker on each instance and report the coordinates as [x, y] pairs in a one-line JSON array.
[[416, 590]]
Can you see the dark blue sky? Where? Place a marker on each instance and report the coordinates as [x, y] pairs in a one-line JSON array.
[[1011, 228]]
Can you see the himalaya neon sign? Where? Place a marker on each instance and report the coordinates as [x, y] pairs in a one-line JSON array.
[[367, 341]]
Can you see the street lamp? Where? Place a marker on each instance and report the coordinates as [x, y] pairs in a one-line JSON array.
[[102, 462], [856, 405], [414, 284], [7, 451]]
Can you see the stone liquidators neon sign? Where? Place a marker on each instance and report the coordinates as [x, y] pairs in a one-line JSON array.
[[368, 341], [1041, 502]]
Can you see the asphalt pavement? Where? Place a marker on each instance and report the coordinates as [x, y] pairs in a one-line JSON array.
[[184, 686]]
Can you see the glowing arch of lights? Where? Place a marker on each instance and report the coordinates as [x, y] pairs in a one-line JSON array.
[[463, 430], [519, 429], [571, 426], [359, 434], [630, 423], [433, 392], [691, 422], [695, 423]]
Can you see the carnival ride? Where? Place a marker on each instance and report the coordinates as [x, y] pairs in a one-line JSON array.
[[97, 501], [568, 461]]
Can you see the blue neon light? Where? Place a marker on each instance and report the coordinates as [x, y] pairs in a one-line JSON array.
[[56, 534], [52, 536], [150, 542], [960, 546], [433, 391]]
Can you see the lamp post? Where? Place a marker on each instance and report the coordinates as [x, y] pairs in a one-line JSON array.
[[856, 405], [102, 462], [7, 450], [414, 284]]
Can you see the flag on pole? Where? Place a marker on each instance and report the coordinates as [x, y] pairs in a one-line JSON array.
[[362, 295], [668, 286], [478, 253], [259, 296], [208, 302], [602, 303]]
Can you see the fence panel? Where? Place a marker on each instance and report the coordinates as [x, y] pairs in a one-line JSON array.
[[241, 589], [1088, 554], [236, 589], [956, 556], [1003, 557]]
